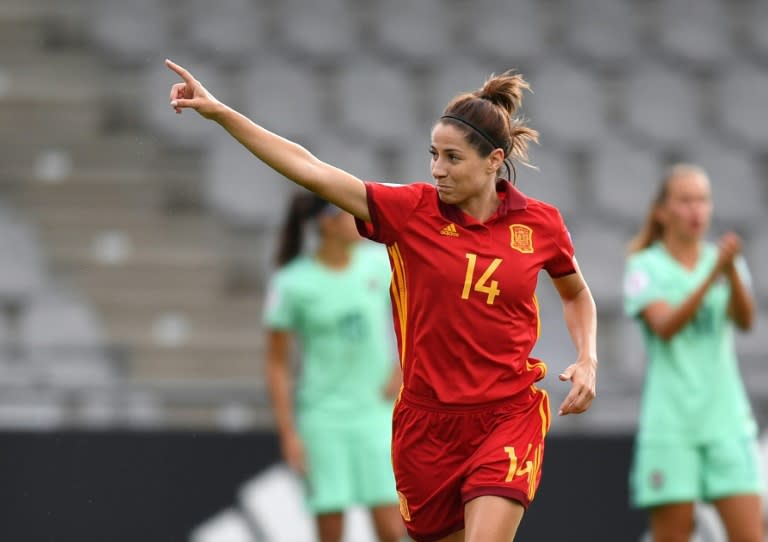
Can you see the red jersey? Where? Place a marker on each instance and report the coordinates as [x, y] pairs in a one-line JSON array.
[[463, 292]]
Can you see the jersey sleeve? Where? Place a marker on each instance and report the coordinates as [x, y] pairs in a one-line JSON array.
[[560, 262], [390, 206], [279, 308], [640, 288]]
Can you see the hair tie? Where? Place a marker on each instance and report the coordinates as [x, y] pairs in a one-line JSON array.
[[488, 138]]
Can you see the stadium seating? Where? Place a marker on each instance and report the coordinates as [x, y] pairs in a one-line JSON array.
[[136, 245]]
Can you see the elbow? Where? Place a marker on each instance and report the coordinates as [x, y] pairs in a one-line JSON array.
[[746, 323]]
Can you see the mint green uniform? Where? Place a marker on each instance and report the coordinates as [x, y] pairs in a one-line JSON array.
[[697, 436], [343, 323]]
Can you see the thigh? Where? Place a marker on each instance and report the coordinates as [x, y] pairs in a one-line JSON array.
[[732, 467], [492, 519], [330, 526], [329, 482], [672, 522], [428, 471], [665, 473], [742, 516]]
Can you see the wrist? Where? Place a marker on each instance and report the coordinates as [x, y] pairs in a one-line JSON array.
[[587, 360]]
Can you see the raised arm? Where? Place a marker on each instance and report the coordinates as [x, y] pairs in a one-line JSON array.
[[666, 320], [741, 306], [286, 157], [581, 320]]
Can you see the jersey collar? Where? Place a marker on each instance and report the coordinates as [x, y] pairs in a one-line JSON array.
[[511, 200]]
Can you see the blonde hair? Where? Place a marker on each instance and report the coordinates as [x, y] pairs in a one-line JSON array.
[[652, 230]]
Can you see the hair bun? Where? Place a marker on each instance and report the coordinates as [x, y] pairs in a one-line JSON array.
[[505, 91]]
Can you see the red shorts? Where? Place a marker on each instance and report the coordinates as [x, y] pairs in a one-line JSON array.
[[445, 456]]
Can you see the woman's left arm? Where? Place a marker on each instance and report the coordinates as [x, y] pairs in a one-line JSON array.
[[581, 319], [741, 306]]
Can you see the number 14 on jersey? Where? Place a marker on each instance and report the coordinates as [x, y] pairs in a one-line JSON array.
[[484, 284]]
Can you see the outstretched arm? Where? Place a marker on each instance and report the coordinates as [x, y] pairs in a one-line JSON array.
[[581, 320], [286, 157]]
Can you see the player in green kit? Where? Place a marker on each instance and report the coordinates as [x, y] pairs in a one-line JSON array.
[[697, 437], [335, 426]]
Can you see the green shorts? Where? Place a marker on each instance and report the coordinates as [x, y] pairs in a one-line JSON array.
[[664, 473], [349, 465]]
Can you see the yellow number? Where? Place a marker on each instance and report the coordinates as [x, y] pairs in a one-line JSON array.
[[513, 469], [482, 285], [512, 462]]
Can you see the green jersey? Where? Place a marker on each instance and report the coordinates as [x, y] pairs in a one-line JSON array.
[[343, 323], [693, 391]]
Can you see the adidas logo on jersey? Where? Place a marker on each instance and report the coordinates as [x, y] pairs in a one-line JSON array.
[[450, 230]]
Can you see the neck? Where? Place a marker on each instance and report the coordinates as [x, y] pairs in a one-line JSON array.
[[333, 253], [684, 250], [482, 206]]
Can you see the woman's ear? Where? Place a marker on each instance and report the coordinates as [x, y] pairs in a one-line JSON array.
[[495, 160]]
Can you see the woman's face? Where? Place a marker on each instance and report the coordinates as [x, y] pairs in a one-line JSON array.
[[460, 173], [687, 209]]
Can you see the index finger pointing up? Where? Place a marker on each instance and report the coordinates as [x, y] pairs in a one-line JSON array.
[[184, 74]]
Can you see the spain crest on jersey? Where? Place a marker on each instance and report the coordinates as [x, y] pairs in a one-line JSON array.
[[521, 238]]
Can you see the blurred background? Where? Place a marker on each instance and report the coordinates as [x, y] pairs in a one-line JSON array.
[[136, 244]]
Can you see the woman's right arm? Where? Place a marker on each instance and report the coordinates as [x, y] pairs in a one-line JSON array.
[[286, 157], [667, 321], [280, 384]]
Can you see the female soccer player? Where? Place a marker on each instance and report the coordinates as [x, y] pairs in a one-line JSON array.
[[469, 426], [335, 303], [697, 438]]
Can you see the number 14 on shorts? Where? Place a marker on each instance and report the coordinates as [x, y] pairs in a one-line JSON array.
[[529, 467]]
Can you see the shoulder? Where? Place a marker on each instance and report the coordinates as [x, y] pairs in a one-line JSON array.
[[370, 253], [543, 209], [545, 216], [292, 273], [645, 261], [413, 190]]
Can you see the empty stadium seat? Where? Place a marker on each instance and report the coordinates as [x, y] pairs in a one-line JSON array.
[[604, 32], [741, 111], [325, 32], [567, 105], [131, 32], [554, 180], [457, 75], [420, 32], [662, 106], [241, 189], [624, 179], [55, 322], [283, 97], [601, 251], [509, 31], [229, 31], [22, 274], [695, 31], [356, 157], [738, 192], [375, 101]]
